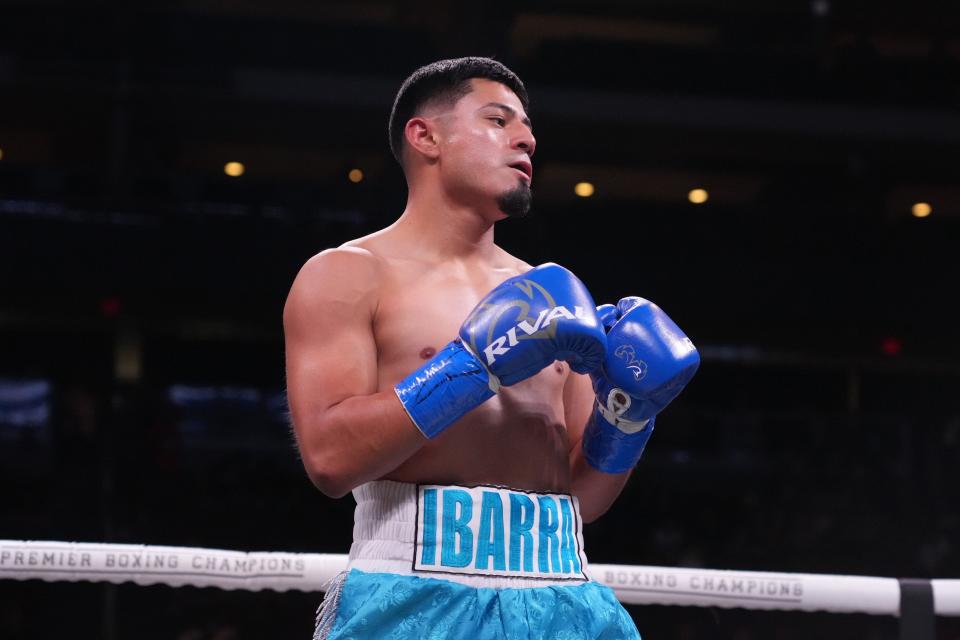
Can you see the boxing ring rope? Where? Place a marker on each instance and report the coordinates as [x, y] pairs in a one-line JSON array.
[[144, 565]]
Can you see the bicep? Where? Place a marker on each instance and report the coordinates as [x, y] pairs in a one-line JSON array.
[[331, 354]]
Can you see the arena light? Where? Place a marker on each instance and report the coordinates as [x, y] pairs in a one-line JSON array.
[[234, 169], [921, 210], [698, 196], [583, 189], [355, 175]]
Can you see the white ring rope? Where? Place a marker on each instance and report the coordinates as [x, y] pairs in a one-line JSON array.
[[186, 566]]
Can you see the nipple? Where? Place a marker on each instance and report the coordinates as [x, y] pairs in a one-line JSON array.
[[427, 352]]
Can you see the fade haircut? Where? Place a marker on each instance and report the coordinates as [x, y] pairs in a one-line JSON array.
[[444, 82]]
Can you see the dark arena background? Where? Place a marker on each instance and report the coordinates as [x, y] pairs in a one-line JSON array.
[[782, 177]]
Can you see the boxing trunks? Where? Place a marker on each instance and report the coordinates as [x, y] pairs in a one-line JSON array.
[[482, 563]]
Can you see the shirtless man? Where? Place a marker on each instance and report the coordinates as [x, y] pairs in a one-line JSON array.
[[467, 457]]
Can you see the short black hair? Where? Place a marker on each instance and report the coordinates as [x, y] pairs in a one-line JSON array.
[[445, 81]]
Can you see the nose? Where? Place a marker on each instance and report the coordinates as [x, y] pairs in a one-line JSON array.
[[523, 139]]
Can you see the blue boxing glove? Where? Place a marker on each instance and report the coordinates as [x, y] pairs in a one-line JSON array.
[[523, 325], [648, 363]]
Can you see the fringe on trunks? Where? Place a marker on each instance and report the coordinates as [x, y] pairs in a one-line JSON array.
[[327, 611]]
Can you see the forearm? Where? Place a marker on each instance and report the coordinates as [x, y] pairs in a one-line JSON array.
[[357, 440], [595, 490]]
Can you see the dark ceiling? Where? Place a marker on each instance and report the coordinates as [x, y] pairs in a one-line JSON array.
[[813, 125]]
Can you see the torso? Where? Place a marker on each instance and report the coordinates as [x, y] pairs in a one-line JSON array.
[[517, 438]]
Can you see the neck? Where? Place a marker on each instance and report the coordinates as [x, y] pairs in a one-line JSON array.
[[445, 228]]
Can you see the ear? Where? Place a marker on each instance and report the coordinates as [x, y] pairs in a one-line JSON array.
[[422, 136]]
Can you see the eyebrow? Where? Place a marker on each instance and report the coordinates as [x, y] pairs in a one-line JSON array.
[[525, 120]]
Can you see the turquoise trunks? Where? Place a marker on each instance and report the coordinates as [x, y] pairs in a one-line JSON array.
[[481, 563]]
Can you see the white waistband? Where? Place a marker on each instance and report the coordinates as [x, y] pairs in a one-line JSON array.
[[389, 521]]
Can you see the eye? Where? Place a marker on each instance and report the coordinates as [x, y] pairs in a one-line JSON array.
[[499, 120]]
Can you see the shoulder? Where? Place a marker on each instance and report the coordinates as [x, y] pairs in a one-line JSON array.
[[348, 275], [517, 266], [342, 265], [511, 263]]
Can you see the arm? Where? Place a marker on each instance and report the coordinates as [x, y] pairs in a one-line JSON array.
[[347, 432], [595, 490], [649, 360]]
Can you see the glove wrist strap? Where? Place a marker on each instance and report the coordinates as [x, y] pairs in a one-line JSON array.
[[606, 448], [445, 388]]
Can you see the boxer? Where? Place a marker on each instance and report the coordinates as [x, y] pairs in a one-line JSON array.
[[479, 409]]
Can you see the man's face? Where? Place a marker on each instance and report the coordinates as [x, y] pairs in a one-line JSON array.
[[486, 143]]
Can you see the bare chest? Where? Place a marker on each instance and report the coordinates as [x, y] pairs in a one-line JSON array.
[[420, 312], [417, 315]]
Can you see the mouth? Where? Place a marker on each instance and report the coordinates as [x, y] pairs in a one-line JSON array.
[[524, 167]]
